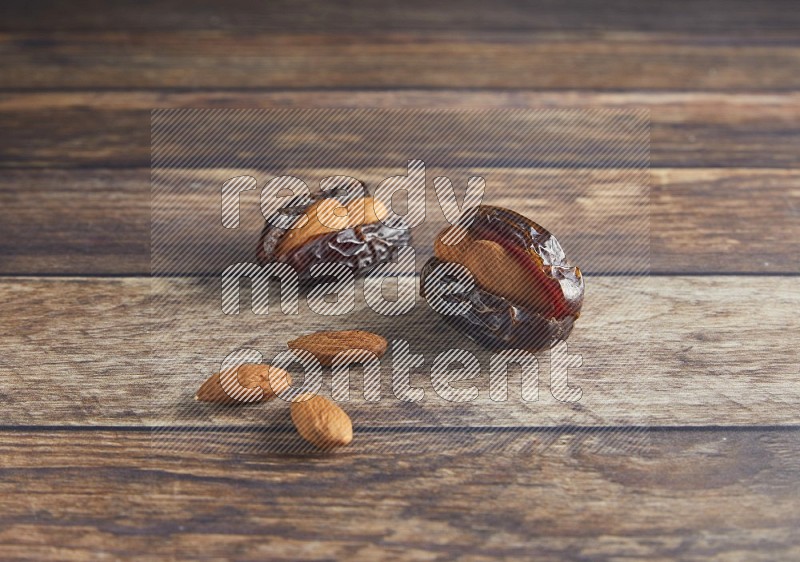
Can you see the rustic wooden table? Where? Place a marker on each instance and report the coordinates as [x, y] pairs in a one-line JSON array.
[[719, 476]]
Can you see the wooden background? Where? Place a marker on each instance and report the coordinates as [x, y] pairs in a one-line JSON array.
[[718, 477]]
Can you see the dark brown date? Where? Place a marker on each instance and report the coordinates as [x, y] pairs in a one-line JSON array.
[[525, 292], [360, 242]]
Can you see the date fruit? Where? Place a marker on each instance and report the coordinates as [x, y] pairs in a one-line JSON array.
[[341, 225], [526, 294]]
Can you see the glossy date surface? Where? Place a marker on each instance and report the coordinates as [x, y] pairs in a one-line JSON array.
[[525, 294]]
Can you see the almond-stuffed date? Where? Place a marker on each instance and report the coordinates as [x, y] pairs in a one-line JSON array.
[[338, 225], [525, 295]]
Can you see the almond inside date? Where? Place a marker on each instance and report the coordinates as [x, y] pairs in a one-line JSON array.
[[327, 216], [525, 293], [506, 264], [340, 225]]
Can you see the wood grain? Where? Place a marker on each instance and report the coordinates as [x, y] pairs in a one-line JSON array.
[[701, 220], [112, 129], [684, 445], [75, 221], [602, 217], [657, 352], [696, 495], [402, 59], [362, 16]]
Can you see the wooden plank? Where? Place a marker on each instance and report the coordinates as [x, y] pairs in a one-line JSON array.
[[553, 60], [358, 137], [73, 221], [83, 129], [655, 352], [693, 495], [601, 216], [361, 16], [701, 220]]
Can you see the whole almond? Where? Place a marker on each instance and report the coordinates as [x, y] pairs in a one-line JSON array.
[[327, 345], [321, 422], [500, 273], [271, 380]]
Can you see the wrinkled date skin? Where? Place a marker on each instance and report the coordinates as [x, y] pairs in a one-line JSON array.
[[526, 295], [360, 247]]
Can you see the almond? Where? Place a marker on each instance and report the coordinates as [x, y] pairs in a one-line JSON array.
[[452, 252], [329, 215], [327, 345], [365, 210], [271, 380], [321, 422], [500, 273]]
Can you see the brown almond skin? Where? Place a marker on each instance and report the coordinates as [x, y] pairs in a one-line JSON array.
[[321, 422], [454, 252], [496, 271], [507, 239], [365, 210], [272, 381], [327, 345]]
